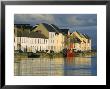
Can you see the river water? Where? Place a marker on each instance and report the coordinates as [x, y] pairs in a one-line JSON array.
[[76, 66]]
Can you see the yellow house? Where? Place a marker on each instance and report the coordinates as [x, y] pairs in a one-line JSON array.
[[81, 41], [54, 35]]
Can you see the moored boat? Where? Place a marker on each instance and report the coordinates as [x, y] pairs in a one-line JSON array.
[[33, 55]]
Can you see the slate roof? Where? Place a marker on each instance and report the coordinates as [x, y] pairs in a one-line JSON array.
[[25, 33], [48, 27], [33, 28], [51, 28], [80, 34], [24, 26], [37, 35], [56, 28], [24, 30], [86, 36], [31, 34], [20, 33], [83, 35], [64, 31]]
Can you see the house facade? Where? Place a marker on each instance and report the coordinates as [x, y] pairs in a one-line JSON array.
[[81, 42], [41, 37], [54, 34], [48, 37]]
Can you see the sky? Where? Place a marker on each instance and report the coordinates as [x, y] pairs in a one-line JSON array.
[[61, 20], [84, 23]]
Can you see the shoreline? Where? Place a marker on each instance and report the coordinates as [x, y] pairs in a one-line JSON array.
[[22, 56]]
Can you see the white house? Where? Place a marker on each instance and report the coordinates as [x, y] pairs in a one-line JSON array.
[[55, 37], [42, 37]]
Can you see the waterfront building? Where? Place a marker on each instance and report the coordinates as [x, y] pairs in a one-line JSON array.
[[54, 34], [41, 37], [48, 37], [81, 42], [26, 40]]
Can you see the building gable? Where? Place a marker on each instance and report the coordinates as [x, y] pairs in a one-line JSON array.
[[41, 28]]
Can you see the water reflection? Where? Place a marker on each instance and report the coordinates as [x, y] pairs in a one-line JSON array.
[[77, 66]]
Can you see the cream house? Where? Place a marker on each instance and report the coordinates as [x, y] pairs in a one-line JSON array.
[[54, 34], [49, 37], [82, 42], [41, 37], [21, 35], [28, 41]]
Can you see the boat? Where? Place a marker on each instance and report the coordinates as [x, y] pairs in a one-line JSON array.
[[70, 53], [33, 55]]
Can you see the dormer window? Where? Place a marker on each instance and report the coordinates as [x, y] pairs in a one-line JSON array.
[[39, 31], [56, 33]]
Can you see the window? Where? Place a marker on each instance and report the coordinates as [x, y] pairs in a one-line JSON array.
[[51, 47], [38, 41], [40, 48], [14, 39], [51, 35], [44, 41]]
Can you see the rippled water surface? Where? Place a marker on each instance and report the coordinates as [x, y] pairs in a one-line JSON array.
[[77, 66]]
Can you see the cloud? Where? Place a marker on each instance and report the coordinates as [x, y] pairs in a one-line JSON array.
[[34, 18], [82, 20], [58, 19], [74, 21]]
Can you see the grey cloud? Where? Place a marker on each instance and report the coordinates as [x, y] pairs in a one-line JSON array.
[[84, 20], [58, 19], [33, 18]]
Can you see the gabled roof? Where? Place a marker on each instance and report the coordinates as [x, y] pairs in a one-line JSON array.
[[80, 34], [51, 28], [56, 28], [48, 27], [33, 28], [86, 36]]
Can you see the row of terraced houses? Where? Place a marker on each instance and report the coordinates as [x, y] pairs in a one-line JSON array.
[[44, 37]]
